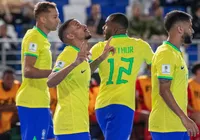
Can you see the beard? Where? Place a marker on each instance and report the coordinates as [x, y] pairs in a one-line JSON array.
[[87, 37], [107, 35], [187, 38]]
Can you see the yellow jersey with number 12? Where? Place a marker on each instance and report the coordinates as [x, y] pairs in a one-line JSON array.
[[118, 72], [71, 115], [168, 63], [34, 93]]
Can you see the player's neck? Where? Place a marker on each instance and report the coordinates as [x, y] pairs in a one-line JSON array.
[[42, 28], [120, 32], [78, 43], [175, 41]]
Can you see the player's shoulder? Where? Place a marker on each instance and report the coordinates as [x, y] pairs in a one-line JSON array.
[[32, 35], [68, 52], [163, 50], [99, 45], [139, 41]]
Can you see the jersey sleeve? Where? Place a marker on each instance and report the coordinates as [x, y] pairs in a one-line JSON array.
[[165, 65], [32, 47], [148, 53], [96, 51], [63, 60]]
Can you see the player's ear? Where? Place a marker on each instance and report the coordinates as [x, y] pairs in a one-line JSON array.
[[180, 29], [70, 36], [42, 19]]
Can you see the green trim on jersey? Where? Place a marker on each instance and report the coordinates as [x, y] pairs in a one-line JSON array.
[[30, 54], [165, 77], [40, 31], [76, 48], [56, 70], [120, 35], [170, 44]]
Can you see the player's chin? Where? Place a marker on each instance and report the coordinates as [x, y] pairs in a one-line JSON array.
[[88, 35]]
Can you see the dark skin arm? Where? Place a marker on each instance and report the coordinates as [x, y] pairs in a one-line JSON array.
[[166, 94], [31, 72], [95, 64]]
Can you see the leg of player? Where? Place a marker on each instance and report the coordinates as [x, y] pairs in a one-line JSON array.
[[115, 121]]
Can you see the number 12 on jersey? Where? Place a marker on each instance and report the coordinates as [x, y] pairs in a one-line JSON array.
[[121, 70]]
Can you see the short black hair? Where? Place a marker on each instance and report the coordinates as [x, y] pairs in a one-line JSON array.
[[62, 29], [175, 16], [8, 71], [43, 7], [195, 67], [120, 19]]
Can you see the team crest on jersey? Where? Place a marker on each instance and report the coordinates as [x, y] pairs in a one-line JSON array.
[[166, 69], [60, 64], [32, 47]]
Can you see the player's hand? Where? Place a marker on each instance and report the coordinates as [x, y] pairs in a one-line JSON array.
[[190, 125], [107, 50], [83, 55]]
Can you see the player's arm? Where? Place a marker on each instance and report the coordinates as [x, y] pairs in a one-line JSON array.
[[166, 94], [107, 49], [30, 71], [31, 52], [165, 68], [58, 75]]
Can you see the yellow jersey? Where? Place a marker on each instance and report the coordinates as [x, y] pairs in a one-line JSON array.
[[34, 93], [168, 63], [118, 72], [71, 115]]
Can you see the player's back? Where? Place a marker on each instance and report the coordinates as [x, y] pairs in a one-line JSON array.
[[34, 92], [119, 71]]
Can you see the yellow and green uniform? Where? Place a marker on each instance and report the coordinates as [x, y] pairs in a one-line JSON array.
[[34, 93], [169, 64], [71, 115], [118, 72]]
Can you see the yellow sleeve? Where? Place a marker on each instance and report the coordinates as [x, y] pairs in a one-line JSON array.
[[96, 51], [148, 53], [63, 60], [165, 65], [32, 47]]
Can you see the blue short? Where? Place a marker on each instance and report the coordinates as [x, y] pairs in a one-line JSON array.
[[116, 121], [35, 123], [77, 136], [170, 136]]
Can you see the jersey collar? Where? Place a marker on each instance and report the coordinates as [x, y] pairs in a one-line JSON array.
[[76, 48], [172, 45], [120, 35], [40, 31]]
